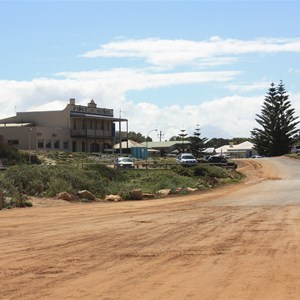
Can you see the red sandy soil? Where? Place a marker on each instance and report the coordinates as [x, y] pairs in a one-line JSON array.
[[173, 248]]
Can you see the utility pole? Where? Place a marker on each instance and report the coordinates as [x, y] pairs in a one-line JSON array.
[[160, 135], [29, 148], [120, 133]]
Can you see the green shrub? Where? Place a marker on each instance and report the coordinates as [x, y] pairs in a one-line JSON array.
[[153, 180], [105, 171], [50, 180], [206, 170], [56, 186], [12, 156], [101, 180], [32, 179], [18, 200], [182, 170]]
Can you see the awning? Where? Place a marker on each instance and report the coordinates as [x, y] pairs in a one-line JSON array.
[[74, 115]]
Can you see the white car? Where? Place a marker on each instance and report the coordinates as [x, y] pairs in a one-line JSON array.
[[124, 162], [186, 159]]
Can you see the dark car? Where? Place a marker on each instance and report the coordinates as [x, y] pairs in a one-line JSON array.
[[217, 159], [221, 161]]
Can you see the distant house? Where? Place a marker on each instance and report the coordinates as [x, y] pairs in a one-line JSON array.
[[135, 149], [243, 150], [168, 146], [209, 151], [126, 146]]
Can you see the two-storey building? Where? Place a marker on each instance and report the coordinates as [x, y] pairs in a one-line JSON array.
[[76, 128]]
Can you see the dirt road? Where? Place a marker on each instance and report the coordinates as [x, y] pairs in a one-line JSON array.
[[238, 242]]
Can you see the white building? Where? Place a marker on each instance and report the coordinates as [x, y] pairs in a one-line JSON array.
[[243, 150]]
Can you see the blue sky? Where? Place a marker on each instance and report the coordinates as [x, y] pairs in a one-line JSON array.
[[165, 64]]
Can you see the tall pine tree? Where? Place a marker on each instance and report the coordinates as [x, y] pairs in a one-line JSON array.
[[278, 124], [197, 143]]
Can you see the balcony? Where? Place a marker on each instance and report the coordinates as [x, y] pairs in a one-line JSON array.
[[91, 133]]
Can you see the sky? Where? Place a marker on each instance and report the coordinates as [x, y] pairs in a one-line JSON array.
[[164, 65]]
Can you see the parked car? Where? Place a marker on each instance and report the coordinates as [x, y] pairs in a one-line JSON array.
[[186, 159], [124, 162], [217, 159], [295, 149], [221, 161]]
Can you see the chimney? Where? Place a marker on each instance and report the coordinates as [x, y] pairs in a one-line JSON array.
[[92, 104], [72, 101]]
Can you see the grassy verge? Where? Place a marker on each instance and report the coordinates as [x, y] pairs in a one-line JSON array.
[[41, 180], [72, 172], [293, 155]]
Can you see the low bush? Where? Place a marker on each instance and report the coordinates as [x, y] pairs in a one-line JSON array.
[[41, 180], [12, 156], [210, 171], [151, 181], [49, 180], [17, 200], [182, 170]]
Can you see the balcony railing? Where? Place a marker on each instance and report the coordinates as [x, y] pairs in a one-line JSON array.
[[91, 133]]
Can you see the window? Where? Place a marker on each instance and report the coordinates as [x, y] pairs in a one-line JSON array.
[[13, 142], [66, 145], [40, 143], [56, 144], [48, 144], [74, 146]]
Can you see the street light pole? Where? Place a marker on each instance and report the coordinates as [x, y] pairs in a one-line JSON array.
[[29, 141], [147, 139]]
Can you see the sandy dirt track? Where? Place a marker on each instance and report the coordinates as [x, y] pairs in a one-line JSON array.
[[232, 243]]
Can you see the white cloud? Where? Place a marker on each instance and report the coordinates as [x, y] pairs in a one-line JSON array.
[[136, 79], [246, 88], [294, 71], [231, 116], [50, 106], [225, 117], [172, 53]]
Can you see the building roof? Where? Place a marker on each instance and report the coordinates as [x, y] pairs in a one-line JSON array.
[[244, 146], [166, 144], [93, 116], [209, 150], [233, 148], [130, 145], [16, 124]]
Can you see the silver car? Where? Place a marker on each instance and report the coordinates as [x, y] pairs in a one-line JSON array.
[[186, 159], [124, 162]]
